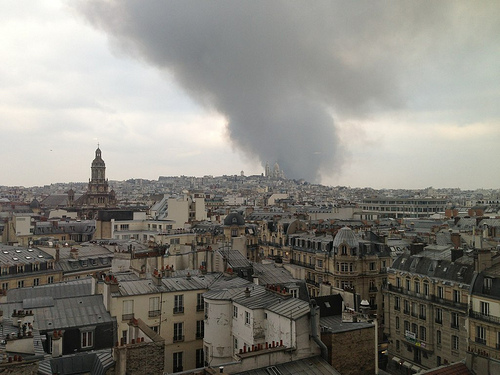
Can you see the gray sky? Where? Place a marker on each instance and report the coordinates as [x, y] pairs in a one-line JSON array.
[[381, 94]]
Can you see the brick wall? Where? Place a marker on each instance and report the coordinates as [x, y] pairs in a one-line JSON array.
[[351, 352]]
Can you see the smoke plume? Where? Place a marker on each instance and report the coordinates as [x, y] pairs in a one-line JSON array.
[[281, 72]]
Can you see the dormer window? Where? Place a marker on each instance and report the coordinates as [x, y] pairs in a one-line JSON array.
[[487, 282], [343, 250]]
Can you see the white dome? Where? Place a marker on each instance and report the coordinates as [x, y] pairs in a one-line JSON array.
[[347, 236]]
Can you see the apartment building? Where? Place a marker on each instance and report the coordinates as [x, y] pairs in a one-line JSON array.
[[484, 317], [26, 267], [251, 325], [426, 299], [352, 262], [173, 307]]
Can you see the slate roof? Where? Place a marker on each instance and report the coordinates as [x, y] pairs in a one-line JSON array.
[[437, 264], [306, 366], [334, 324], [12, 255], [168, 284], [95, 363], [292, 308], [454, 369], [72, 312], [74, 288], [271, 274]]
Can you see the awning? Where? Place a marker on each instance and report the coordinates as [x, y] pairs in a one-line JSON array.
[[407, 364], [396, 359]]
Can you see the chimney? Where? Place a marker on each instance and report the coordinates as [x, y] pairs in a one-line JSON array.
[[416, 248], [156, 277], [483, 260], [456, 240], [247, 292], [57, 254], [456, 254], [74, 253]]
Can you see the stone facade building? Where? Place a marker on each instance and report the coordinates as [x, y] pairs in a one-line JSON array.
[[426, 308]]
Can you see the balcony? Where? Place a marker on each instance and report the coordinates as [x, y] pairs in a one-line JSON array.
[[483, 317], [153, 313], [128, 316], [480, 341], [179, 310], [302, 264], [312, 282]]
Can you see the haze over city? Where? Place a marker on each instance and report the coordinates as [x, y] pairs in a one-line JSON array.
[[397, 95]]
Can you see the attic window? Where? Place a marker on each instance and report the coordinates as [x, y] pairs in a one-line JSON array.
[[487, 282]]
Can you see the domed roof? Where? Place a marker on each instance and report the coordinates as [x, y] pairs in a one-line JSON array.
[[347, 236], [234, 218]]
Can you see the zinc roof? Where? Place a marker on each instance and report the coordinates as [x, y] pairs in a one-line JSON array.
[[80, 287]]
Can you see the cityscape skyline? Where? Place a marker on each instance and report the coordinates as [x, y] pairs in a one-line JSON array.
[[410, 111]]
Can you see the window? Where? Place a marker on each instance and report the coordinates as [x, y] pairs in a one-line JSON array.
[[372, 266], [407, 307], [128, 310], [397, 322], [177, 362], [438, 337], [485, 308], [454, 342], [178, 304], [481, 335], [199, 358], [423, 312], [454, 320], [407, 284], [487, 283], [423, 333], [199, 302], [414, 329], [426, 288], [20, 283], [407, 325], [398, 282], [36, 281], [5, 286], [235, 312], [439, 316], [440, 292], [154, 307], [320, 263], [247, 317], [438, 358], [87, 339], [200, 329], [397, 303], [417, 286], [397, 345], [178, 332], [456, 296], [20, 269], [50, 280], [414, 309]]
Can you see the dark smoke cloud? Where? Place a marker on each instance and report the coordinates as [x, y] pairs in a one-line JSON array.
[[280, 71]]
